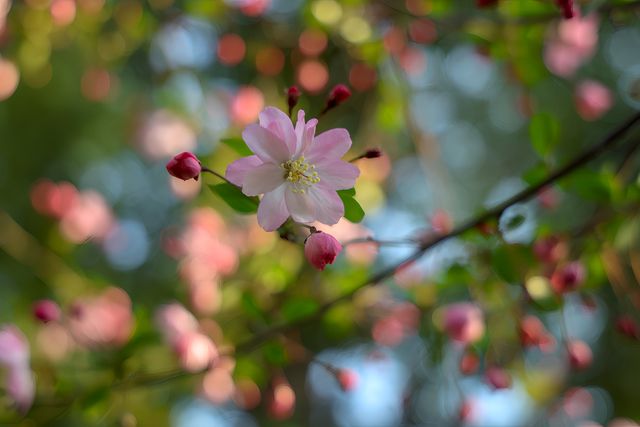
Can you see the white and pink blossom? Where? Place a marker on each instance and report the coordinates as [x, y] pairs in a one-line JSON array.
[[297, 172]]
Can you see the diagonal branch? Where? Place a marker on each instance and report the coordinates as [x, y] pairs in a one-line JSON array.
[[586, 156]]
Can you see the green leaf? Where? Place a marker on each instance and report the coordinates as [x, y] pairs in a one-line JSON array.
[[511, 262], [297, 308], [235, 198], [237, 145], [352, 209], [590, 185], [544, 131], [350, 192]]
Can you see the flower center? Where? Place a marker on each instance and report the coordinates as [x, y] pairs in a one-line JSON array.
[[300, 174]]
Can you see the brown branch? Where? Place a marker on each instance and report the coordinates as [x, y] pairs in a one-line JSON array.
[[586, 156], [459, 20]]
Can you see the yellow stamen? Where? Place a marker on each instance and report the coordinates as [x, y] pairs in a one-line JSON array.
[[300, 174]]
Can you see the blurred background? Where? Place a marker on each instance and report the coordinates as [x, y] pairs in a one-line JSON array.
[[155, 276]]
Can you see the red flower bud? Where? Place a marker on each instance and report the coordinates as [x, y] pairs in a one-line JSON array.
[[347, 379], [486, 3], [372, 153], [321, 249], [568, 278], [567, 8], [627, 326], [580, 355], [46, 311], [184, 166], [498, 378], [339, 94], [532, 331], [293, 94], [469, 363]]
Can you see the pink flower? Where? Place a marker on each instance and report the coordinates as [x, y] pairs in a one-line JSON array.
[[46, 311], [498, 378], [105, 320], [568, 277], [321, 249], [184, 166], [592, 99], [14, 355], [297, 172]]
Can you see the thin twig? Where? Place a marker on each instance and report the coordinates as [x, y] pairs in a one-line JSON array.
[[206, 169]]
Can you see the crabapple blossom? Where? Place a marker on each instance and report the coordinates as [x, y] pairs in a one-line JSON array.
[[463, 322], [498, 378], [339, 94], [580, 354], [347, 379], [568, 277], [321, 249], [297, 172]]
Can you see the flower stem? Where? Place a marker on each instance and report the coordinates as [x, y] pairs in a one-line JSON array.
[[206, 169]]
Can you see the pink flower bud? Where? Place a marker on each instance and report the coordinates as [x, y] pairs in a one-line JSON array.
[[184, 166], [339, 94], [321, 249], [532, 331], [14, 355], [550, 249], [46, 311], [568, 278], [498, 378], [347, 379], [293, 94], [580, 355]]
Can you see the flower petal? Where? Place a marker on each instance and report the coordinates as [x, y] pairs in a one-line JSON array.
[[262, 179], [272, 212], [266, 145], [329, 206], [305, 133], [280, 124], [300, 205], [332, 144], [237, 170], [337, 174]]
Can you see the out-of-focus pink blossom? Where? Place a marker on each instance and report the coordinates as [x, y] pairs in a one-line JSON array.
[[21, 387], [568, 277], [571, 45], [46, 311], [282, 400], [321, 249], [463, 322], [469, 363], [593, 99], [14, 347], [498, 378], [218, 386], [174, 321], [163, 134], [550, 249], [14, 357], [105, 320], [90, 217], [628, 326], [195, 351], [441, 222]]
